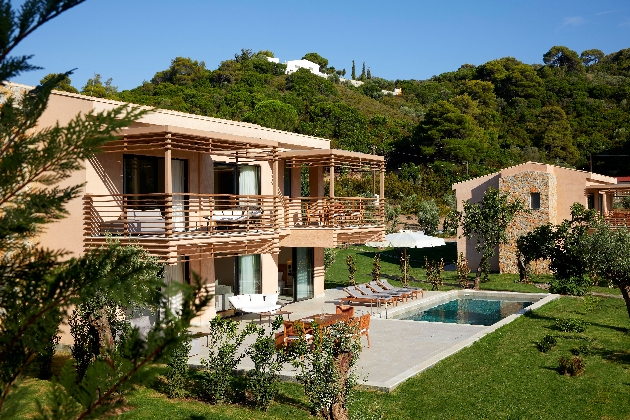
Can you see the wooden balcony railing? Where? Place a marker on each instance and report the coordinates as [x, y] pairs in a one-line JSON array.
[[336, 212], [617, 218], [178, 215]]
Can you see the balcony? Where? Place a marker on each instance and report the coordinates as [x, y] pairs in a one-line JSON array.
[[332, 221], [171, 225], [333, 212], [617, 218]]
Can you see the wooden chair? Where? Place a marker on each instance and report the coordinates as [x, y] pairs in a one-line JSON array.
[[364, 327], [293, 330], [345, 310]]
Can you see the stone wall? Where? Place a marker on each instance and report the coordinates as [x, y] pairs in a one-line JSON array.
[[520, 186]]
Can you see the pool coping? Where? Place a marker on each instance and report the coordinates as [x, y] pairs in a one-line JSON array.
[[389, 385]]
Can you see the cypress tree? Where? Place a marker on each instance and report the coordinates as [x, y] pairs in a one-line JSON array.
[[354, 71]]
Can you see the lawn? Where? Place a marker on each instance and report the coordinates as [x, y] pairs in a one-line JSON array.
[[501, 376], [505, 376], [337, 274]]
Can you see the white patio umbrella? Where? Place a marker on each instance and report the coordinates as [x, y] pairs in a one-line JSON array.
[[408, 239]]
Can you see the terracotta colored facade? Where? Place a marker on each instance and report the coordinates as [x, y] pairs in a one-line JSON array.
[[216, 197], [547, 190]]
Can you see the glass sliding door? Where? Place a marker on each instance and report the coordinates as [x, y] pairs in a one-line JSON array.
[[173, 274], [248, 180], [303, 273], [249, 274], [178, 176]]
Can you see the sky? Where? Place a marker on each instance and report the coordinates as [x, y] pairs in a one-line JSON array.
[[129, 41]]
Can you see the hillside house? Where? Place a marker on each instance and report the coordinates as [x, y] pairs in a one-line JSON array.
[[217, 197], [548, 191]]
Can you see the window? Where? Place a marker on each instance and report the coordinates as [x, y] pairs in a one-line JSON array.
[[534, 200], [249, 274]]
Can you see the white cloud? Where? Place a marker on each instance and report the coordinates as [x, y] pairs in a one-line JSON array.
[[573, 21], [626, 23], [606, 12]]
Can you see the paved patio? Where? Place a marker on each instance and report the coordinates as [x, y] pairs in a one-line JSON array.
[[399, 349]]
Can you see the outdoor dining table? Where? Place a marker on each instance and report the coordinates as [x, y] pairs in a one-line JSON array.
[[323, 320]]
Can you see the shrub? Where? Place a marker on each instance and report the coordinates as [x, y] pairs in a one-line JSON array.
[[352, 269], [591, 303], [434, 272], [428, 216], [223, 356], [376, 266], [575, 286], [571, 367], [462, 270], [583, 349], [326, 371], [571, 325], [177, 372], [547, 343], [262, 381]]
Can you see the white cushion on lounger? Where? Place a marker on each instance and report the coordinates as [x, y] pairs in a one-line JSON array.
[[257, 299]]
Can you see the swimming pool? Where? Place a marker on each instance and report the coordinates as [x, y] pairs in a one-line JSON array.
[[469, 307], [469, 310]]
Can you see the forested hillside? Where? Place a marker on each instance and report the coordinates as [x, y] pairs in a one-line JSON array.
[[454, 126]]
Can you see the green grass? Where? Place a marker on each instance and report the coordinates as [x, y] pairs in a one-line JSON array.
[[337, 274], [505, 376], [502, 376]]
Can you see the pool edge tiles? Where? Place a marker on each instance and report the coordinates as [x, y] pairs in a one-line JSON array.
[[423, 304], [390, 384]]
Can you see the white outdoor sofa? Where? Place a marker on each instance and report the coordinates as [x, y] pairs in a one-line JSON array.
[[255, 303]]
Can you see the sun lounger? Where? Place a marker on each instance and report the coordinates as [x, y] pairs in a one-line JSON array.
[[405, 294], [364, 289], [356, 296], [385, 285]]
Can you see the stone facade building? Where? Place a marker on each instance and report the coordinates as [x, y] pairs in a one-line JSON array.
[[548, 192]]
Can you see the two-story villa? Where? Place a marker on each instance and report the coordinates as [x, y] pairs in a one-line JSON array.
[[220, 198]]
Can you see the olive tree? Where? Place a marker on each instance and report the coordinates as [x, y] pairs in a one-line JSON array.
[[609, 256], [486, 222]]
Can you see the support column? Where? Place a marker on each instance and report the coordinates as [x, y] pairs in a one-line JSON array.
[[332, 178], [381, 197], [382, 182], [168, 188], [274, 177]]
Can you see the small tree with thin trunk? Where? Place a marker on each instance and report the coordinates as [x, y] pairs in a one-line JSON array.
[[486, 222], [352, 269], [376, 266]]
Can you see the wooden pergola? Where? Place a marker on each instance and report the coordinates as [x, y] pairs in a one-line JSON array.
[[168, 138], [335, 158]]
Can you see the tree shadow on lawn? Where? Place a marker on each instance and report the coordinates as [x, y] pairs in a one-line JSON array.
[[538, 316], [621, 357]]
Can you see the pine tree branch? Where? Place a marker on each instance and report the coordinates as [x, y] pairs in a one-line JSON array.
[[42, 19], [11, 381], [120, 381]]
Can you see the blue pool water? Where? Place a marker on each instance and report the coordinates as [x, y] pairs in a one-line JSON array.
[[469, 311]]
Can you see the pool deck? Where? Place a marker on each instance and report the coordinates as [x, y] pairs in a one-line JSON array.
[[399, 349]]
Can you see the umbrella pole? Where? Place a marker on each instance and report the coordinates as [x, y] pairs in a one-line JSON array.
[[406, 267]]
